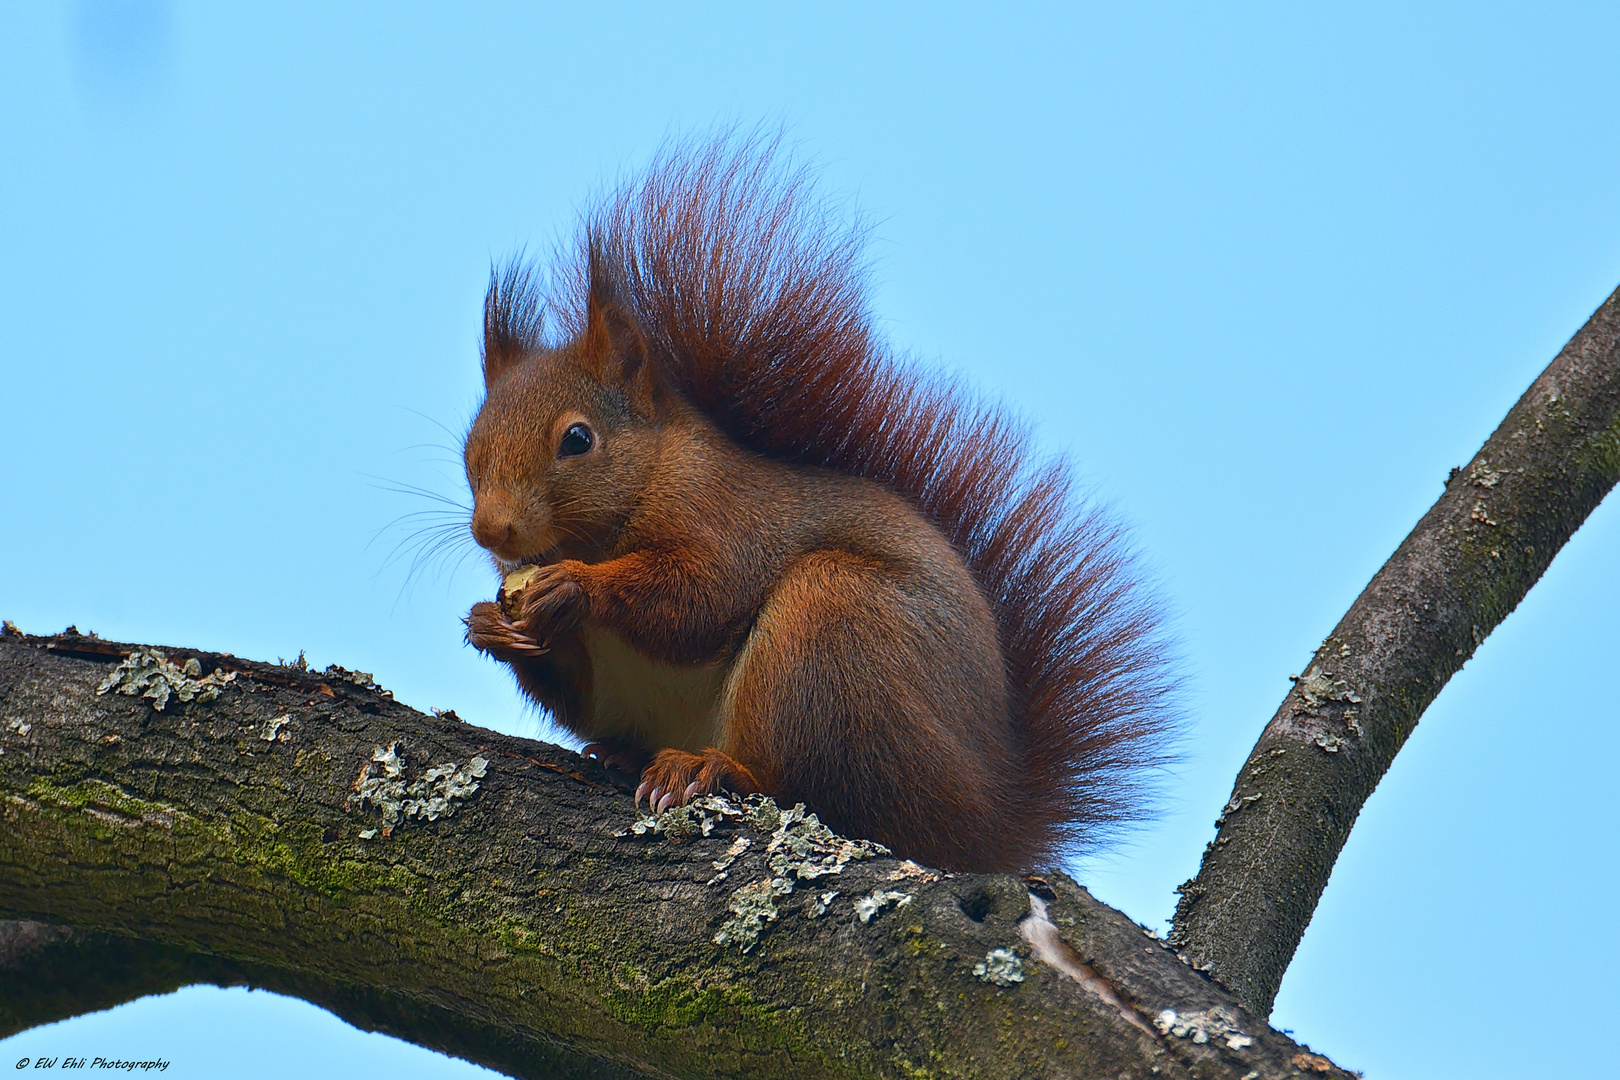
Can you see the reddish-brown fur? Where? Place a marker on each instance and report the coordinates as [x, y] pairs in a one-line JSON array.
[[919, 636]]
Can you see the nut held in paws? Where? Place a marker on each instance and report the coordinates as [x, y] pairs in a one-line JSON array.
[[515, 583]]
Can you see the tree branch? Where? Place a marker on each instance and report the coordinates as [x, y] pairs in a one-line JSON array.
[[52, 973], [1466, 565], [221, 841]]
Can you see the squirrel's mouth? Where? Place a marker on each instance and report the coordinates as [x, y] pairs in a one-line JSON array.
[[545, 547], [508, 566]]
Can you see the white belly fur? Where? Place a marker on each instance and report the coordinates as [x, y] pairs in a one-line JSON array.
[[661, 705]]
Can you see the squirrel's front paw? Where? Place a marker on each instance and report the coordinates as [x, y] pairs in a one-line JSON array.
[[676, 777], [489, 630], [551, 603]]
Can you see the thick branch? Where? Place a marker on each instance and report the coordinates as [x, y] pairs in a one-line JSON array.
[[49, 973], [219, 842], [1466, 565]]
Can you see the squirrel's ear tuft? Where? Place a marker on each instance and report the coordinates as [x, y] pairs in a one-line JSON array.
[[514, 318]]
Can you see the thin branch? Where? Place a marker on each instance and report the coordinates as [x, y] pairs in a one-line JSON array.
[[1466, 565]]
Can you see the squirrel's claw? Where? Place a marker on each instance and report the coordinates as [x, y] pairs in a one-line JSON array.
[[489, 631], [528, 648], [658, 800]]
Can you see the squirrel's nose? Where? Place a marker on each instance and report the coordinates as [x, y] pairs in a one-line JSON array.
[[492, 525]]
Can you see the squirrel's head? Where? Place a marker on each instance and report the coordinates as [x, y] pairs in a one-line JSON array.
[[566, 438]]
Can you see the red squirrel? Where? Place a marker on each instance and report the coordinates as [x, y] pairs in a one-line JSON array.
[[772, 558]]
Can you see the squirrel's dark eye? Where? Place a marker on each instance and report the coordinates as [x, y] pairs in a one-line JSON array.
[[576, 441]]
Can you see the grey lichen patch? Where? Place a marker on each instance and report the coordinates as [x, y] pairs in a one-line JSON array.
[[683, 823], [762, 814], [752, 906], [272, 728], [433, 795], [738, 846], [697, 818], [797, 844], [823, 902], [149, 674], [805, 848], [801, 847], [358, 678], [1236, 803], [1317, 686], [20, 727], [723, 863], [1204, 1025], [1003, 967], [798, 847], [868, 906]]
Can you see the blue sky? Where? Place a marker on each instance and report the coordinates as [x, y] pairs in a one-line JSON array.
[[1264, 271]]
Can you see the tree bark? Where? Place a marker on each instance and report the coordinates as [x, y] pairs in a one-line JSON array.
[[529, 929], [1466, 565], [49, 973]]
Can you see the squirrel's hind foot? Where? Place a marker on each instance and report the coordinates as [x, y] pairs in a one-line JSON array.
[[675, 777], [628, 757]]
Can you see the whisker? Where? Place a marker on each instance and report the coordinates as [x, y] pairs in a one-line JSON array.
[[454, 437], [400, 487], [436, 541]]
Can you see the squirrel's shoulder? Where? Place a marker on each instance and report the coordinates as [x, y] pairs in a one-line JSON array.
[[705, 480]]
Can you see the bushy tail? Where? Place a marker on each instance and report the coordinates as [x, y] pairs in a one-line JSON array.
[[752, 293]]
